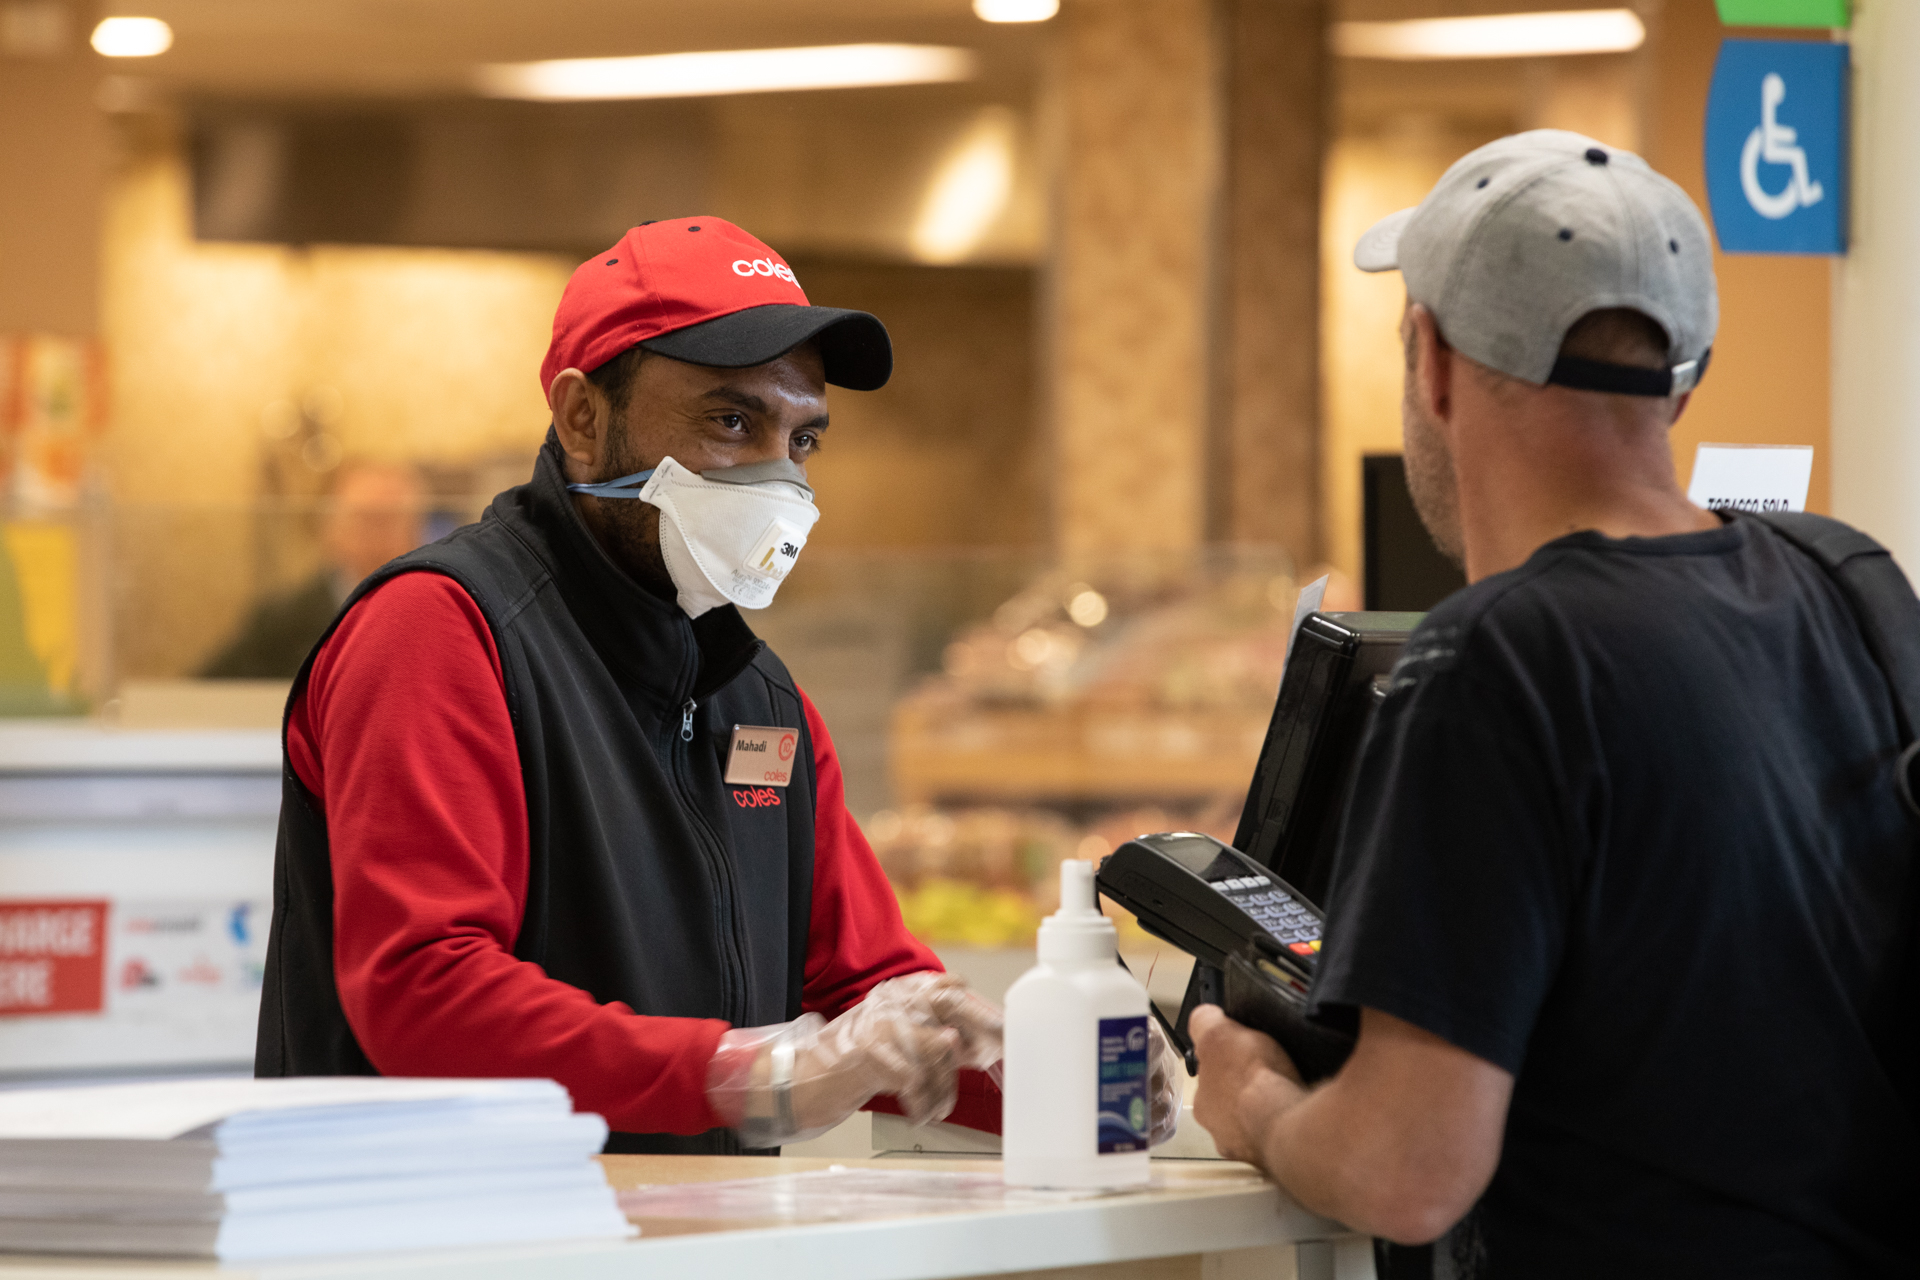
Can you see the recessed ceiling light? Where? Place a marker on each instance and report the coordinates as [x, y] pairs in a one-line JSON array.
[[969, 191], [1505, 35], [689, 75], [131, 37], [1015, 10]]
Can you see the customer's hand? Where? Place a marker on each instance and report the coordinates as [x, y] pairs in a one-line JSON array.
[[1245, 1079]]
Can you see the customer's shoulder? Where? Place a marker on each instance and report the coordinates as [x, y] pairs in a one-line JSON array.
[[1501, 602], [1514, 620]]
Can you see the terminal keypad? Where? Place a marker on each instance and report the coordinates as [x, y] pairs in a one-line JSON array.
[[1275, 910]]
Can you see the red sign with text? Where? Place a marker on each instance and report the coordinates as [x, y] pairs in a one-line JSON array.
[[52, 957]]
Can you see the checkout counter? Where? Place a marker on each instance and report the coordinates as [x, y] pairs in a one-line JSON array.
[[1200, 1220]]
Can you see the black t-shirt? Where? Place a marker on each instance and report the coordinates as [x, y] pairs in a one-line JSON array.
[[1625, 826]]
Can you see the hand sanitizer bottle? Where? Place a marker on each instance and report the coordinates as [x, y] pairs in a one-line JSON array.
[[1075, 1111]]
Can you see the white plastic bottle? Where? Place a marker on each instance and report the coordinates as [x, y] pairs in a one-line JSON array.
[[1076, 1096]]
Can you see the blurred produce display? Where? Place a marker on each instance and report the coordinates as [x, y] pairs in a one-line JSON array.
[[1095, 704], [1148, 679], [984, 876]]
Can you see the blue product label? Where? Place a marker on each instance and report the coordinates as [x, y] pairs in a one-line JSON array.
[[1123, 1085]]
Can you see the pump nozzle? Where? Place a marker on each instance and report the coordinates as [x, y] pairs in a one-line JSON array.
[[1076, 889], [1078, 930]]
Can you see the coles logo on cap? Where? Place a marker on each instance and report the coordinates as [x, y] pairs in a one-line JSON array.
[[764, 267], [659, 278]]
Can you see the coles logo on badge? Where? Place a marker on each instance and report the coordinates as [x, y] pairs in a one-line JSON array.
[[761, 756]]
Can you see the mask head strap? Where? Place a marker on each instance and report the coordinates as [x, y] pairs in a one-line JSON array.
[[624, 487]]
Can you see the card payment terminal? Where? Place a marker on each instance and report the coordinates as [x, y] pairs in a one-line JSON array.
[[1209, 899], [1253, 928]]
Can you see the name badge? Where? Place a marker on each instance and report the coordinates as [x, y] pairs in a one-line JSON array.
[[761, 757]]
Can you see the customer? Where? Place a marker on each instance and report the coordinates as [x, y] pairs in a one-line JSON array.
[[519, 834], [1620, 897], [373, 512]]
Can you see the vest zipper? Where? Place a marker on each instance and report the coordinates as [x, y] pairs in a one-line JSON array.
[[716, 851]]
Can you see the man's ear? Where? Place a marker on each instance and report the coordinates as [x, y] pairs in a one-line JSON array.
[[1429, 364], [580, 417]]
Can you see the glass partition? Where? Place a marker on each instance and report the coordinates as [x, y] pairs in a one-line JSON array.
[[994, 711]]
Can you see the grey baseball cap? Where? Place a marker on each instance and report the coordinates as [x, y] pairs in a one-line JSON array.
[[1524, 236]]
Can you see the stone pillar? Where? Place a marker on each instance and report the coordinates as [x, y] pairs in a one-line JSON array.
[[1266, 469], [1135, 90], [53, 168], [1876, 330]]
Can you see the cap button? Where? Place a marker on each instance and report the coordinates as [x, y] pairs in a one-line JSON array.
[[1596, 156]]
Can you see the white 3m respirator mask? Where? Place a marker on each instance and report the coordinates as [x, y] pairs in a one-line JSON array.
[[728, 535]]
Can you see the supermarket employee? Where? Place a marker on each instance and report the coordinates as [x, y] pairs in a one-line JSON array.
[[523, 832]]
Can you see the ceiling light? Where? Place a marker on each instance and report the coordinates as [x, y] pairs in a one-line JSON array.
[[690, 75], [1087, 607], [1015, 10], [969, 191], [1506, 35], [131, 37]]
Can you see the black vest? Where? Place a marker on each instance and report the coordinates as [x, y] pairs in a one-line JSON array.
[[647, 882]]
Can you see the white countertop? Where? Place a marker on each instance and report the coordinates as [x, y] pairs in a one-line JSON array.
[[1195, 1207]]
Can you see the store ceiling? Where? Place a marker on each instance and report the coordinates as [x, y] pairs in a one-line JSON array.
[[428, 47]]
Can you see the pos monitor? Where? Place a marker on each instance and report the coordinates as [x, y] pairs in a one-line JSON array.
[[1335, 676]]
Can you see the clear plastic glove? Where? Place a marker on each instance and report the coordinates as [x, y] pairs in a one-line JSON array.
[[908, 1038], [1166, 1080], [946, 999]]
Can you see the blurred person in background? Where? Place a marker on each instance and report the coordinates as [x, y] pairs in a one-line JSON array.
[[551, 809], [1623, 904], [374, 512]]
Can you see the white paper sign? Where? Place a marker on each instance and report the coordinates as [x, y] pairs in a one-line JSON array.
[[1310, 597], [1751, 477]]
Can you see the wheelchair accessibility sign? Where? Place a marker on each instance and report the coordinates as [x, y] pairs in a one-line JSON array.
[[1777, 147]]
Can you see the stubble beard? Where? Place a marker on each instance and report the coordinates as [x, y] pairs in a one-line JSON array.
[[630, 528], [1431, 481]]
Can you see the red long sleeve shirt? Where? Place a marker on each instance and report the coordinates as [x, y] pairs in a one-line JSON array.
[[403, 736]]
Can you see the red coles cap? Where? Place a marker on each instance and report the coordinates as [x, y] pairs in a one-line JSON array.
[[704, 291]]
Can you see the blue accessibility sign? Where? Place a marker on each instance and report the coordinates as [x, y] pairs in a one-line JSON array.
[[1777, 147]]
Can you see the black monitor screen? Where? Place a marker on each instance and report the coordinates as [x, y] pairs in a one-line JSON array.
[[1291, 820], [1404, 570]]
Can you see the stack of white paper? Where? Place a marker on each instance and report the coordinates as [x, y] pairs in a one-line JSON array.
[[249, 1169]]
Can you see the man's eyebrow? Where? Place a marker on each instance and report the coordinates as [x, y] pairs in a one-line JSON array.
[[735, 396]]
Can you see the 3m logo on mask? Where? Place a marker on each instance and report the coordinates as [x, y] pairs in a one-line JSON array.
[[773, 556], [764, 267]]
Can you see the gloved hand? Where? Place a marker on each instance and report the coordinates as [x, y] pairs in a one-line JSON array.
[[1166, 1080], [795, 1080], [945, 998]]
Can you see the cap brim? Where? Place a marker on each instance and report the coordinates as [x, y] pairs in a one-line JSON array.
[[853, 345], [1379, 248]]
